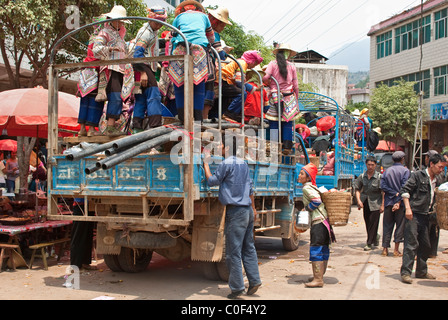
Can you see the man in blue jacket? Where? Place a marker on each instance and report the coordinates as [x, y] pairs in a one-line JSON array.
[[235, 192], [391, 183]]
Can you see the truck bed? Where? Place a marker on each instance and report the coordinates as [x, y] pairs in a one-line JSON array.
[[157, 176]]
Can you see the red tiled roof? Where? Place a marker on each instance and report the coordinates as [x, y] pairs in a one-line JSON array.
[[416, 11]]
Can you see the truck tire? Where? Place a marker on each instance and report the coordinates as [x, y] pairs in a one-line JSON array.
[[134, 260], [210, 271], [291, 244], [215, 271], [111, 261]]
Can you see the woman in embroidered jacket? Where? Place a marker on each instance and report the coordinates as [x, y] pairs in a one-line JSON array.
[[109, 44], [286, 74], [90, 111], [195, 25], [148, 99], [321, 232], [232, 74]]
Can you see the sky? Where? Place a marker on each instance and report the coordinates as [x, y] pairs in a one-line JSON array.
[[324, 26]]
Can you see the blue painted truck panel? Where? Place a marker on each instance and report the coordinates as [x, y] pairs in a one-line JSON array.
[[157, 175]]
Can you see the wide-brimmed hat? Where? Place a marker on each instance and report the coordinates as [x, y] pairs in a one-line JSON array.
[[222, 14], [377, 130], [118, 12], [181, 5], [285, 46], [364, 111], [356, 113]]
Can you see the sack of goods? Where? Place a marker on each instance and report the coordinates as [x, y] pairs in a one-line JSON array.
[[338, 205]]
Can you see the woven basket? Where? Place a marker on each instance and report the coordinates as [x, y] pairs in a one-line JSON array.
[[442, 209], [338, 205]]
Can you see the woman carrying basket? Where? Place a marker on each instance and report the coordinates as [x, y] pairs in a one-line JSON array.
[[321, 231]]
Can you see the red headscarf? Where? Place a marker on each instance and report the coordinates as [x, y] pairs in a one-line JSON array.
[[311, 171]]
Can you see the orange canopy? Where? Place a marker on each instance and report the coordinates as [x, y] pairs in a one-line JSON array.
[[24, 112]]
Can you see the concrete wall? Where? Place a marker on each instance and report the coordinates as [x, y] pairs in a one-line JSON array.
[[331, 80]]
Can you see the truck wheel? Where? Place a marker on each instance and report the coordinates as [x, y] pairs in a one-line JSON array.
[[291, 244], [215, 271], [134, 260], [111, 261], [210, 271]]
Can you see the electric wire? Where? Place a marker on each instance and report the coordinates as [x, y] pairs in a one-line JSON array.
[[294, 18], [294, 33], [348, 15]]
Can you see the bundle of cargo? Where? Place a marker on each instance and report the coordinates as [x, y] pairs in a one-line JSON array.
[[338, 205]]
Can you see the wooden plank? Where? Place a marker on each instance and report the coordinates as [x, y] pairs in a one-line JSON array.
[[188, 207], [122, 219]]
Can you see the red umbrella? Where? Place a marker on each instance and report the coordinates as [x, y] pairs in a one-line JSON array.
[[326, 123], [24, 112], [306, 131], [388, 146], [8, 145]]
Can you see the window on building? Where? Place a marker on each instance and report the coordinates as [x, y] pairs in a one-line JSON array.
[[174, 3], [422, 82], [411, 35], [440, 81], [441, 19], [384, 45]]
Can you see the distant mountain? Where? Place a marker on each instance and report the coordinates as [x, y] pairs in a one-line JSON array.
[[358, 77], [355, 55]]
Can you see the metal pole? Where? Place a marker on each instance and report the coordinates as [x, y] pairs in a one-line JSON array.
[[279, 104], [219, 88], [261, 102]]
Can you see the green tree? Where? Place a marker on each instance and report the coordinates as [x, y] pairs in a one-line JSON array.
[[394, 109], [28, 34], [31, 28]]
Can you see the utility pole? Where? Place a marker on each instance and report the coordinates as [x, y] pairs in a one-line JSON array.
[[418, 138]]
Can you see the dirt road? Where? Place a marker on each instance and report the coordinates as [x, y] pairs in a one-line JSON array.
[[353, 274]]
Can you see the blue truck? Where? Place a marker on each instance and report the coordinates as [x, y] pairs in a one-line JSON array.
[[145, 203]]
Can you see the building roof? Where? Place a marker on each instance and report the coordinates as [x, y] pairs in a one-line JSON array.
[[406, 15], [309, 56]]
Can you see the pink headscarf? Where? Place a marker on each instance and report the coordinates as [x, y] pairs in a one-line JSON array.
[[252, 56]]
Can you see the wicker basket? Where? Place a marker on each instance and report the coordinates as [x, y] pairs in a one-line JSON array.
[[338, 205], [442, 209]]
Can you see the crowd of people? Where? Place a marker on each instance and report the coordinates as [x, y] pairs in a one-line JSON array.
[[407, 201], [146, 91], [153, 89], [9, 172]]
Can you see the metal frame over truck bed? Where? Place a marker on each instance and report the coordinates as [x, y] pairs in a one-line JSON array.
[[149, 203]]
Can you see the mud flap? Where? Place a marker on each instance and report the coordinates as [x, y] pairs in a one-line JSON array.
[[105, 241], [208, 234]]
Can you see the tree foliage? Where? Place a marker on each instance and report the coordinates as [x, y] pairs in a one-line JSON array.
[[30, 29], [394, 109]]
